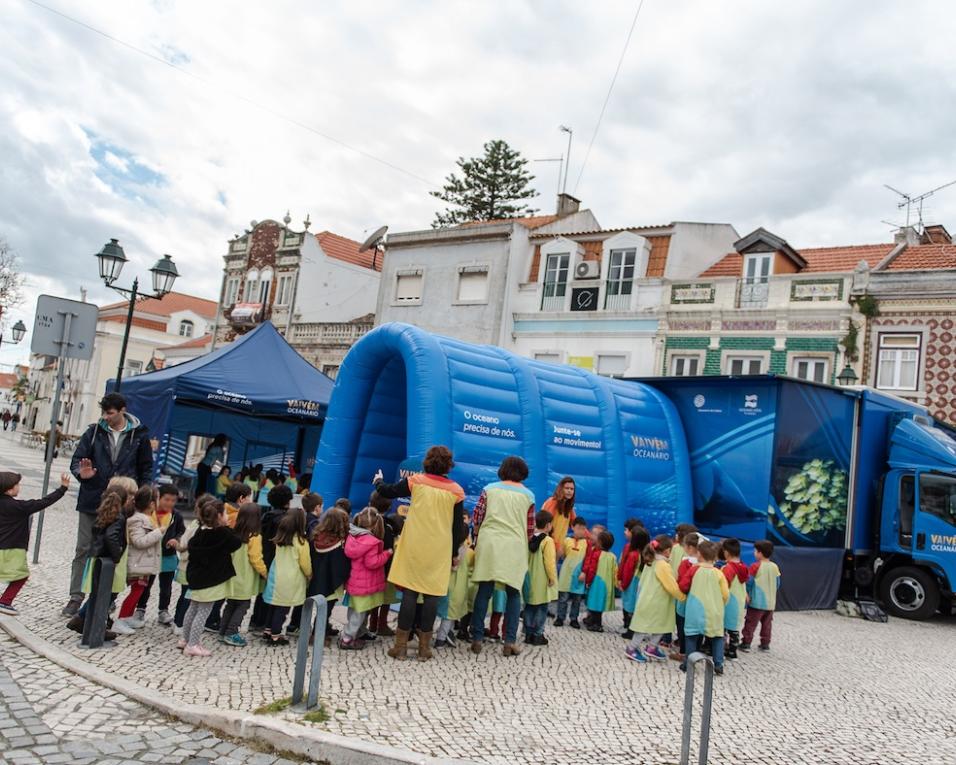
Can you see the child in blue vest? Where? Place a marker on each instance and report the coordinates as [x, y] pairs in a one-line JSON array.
[[761, 596], [707, 597]]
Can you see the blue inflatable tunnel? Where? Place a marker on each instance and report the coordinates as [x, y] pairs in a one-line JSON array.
[[401, 390]]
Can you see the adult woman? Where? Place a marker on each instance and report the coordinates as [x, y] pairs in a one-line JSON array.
[[215, 452], [503, 524], [561, 506], [431, 536]]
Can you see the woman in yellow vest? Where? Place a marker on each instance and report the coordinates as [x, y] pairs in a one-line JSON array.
[[431, 536], [503, 525]]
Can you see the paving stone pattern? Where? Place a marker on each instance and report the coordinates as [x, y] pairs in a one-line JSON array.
[[832, 690]]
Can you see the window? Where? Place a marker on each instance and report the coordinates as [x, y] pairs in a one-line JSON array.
[[473, 285], [330, 370], [620, 278], [132, 368], [548, 358], [757, 267], [252, 280], [555, 282], [907, 506], [186, 328], [611, 364], [685, 366], [265, 284], [898, 364], [744, 365], [810, 369], [937, 496], [408, 287], [284, 292], [232, 291]]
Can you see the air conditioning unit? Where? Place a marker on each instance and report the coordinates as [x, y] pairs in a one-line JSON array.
[[587, 269]]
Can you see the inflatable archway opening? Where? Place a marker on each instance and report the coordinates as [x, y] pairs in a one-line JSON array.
[[401, 390]]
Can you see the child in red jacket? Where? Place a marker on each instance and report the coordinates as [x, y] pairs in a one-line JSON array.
[[737, 575], [366, 584]]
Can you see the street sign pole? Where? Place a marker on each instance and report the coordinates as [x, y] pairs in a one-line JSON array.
[[54, 418]]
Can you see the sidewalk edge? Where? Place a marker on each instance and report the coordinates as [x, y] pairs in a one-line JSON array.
[[282, 735]]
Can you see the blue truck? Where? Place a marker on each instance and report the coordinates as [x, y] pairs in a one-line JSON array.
[[857, 488]]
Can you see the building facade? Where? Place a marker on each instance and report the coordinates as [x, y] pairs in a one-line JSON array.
[[318, 290]]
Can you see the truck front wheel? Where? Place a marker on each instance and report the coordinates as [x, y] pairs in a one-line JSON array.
[[910, 593]]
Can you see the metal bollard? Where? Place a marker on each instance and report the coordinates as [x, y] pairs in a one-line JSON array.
[[94, 625], [692, 661], [315, 615]]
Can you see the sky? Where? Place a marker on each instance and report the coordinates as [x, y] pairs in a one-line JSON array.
[[177, 123]]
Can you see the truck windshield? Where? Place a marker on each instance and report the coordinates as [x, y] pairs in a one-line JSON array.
[[937, 496]]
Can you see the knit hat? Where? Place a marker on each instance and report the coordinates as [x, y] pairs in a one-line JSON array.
[[8, 480]]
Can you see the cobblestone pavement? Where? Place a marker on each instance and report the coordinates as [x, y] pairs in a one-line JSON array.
[[832, 690], [49, 715]]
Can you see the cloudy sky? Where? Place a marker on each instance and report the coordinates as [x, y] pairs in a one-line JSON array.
[[790, 116]]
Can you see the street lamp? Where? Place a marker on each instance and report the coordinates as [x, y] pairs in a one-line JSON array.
[[17, 331], [847, 376], [111, 261]]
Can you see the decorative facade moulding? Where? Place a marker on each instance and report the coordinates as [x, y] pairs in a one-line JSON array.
[[801, 325], [680, 325], [693, 293], [759, 325], [816, 289]]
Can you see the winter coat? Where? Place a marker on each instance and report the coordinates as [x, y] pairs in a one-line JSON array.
[[145, 540], [210, 557], [270, 524], [330, 565], [15, 518], [133, 459], [109, 542], [368, 557], [175, 530]]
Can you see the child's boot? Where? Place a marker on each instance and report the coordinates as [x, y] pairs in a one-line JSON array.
[[400, 646], [424, 646], [732, 643], [383, 629]]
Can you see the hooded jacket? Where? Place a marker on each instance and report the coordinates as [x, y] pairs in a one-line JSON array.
[[368, 556], [133, 458], [210, 557], [330, 565], [109, 542], [145, 541]]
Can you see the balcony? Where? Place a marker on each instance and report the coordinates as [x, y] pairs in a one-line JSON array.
[[617, 295], [343, 334], [753, 293]]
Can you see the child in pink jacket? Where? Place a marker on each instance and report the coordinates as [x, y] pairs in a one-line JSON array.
[[366, 584]]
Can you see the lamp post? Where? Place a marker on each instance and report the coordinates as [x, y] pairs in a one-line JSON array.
[[847, 376], [111, 261], [17, 332]]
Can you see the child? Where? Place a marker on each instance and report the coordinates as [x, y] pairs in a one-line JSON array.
[[687, 564], [343, 503], [15, 534], [677, 552], [737, 575], [601, 583], [279, 499], [654, 614], [182, 549], [629, 574], [378, 620], [460, 594], [313, 506], [250, 573], [330, 565], [761, 596], [541, 583], [171, 521], [570, 587], [144, 557], [366, 585], [235, 496], [208, 572], [289, 572], [707, 593]]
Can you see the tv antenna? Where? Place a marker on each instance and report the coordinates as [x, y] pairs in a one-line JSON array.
[[909, 201], [376, 243]]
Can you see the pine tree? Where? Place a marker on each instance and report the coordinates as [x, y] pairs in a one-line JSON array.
[[490, 187]]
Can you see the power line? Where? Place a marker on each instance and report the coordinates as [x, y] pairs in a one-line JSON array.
[[607, 98], [233, 94]]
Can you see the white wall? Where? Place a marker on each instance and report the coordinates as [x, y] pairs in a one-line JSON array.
[[694, 247], [330, 290], [641, 350]]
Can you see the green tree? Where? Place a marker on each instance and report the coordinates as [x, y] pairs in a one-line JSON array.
[[490, 187]]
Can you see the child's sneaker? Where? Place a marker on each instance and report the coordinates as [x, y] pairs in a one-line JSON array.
[[8, 610], [177, 630], [196, 650], [634, 654], [136, 624], [181, 644], [574, 624], [236, 640], [764, 647], [140, 615], [718, 670], [121, 627], [164, 618], [744, 647], [351, 645], [559, 622], [655, 653]]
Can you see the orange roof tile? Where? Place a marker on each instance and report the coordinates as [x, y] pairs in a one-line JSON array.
[[347, 250], [173, 302], [924, 257], [7, 380], [530, 221], [819, 259]]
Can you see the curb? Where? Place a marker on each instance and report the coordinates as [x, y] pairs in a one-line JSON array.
[[281, 735]]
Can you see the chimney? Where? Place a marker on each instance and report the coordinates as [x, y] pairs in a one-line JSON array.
[[936, 234], [567, 205], [906, 235]]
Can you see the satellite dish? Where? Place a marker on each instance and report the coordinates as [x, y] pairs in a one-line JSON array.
[[377, 237]]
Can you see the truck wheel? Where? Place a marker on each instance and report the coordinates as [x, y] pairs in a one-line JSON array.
[[910, 593]]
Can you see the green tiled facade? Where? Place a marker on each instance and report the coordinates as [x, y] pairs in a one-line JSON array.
[[778, 359]]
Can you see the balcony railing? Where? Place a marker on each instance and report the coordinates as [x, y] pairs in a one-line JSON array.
[[330, 333], [617, 295], [552, 302], [753, 293]]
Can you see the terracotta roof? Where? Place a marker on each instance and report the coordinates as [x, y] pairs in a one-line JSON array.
[[173, 302], [347, 250], [656, 262], [138, 321], [608, 231], [530, 221], [7, 380], [193, 342], [924, 257]]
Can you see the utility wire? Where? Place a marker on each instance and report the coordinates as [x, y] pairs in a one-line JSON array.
[[607, 98], [233, 94]]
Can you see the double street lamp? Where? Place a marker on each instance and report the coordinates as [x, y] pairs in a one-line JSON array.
[[111, 261]]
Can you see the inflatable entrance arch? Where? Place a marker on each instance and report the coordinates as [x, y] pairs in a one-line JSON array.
[[401, 390]]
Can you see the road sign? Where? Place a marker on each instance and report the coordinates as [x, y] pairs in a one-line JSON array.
[[48, 328]]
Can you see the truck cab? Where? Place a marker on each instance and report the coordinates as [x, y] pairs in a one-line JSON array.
[[916, 566]]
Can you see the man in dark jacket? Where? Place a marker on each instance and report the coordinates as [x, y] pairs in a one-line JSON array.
[[117, 445]]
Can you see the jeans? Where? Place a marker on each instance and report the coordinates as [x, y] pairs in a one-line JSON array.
[[534, 618], [512, 611], [572, 598], [84, 536], [717, 645], [232, 615], [754, 617]]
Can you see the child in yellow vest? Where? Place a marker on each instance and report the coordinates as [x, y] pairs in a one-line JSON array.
[[250, 574], [289, 573], [461, 594], [761, 596], [602, 583], [541, 583], [654, 614], [704, 615], [737, 575], [570, 590]]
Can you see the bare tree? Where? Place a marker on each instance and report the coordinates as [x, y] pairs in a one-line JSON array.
[[11, 280]]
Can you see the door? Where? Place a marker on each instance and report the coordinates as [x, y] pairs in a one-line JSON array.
[[934, 523]]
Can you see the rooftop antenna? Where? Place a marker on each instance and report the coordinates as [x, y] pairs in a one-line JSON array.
[[570, 132], [909, 200], [560, 161], [374, 243]]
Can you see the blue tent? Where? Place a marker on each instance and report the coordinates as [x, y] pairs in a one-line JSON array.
[[401, 390], [263, 395]]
